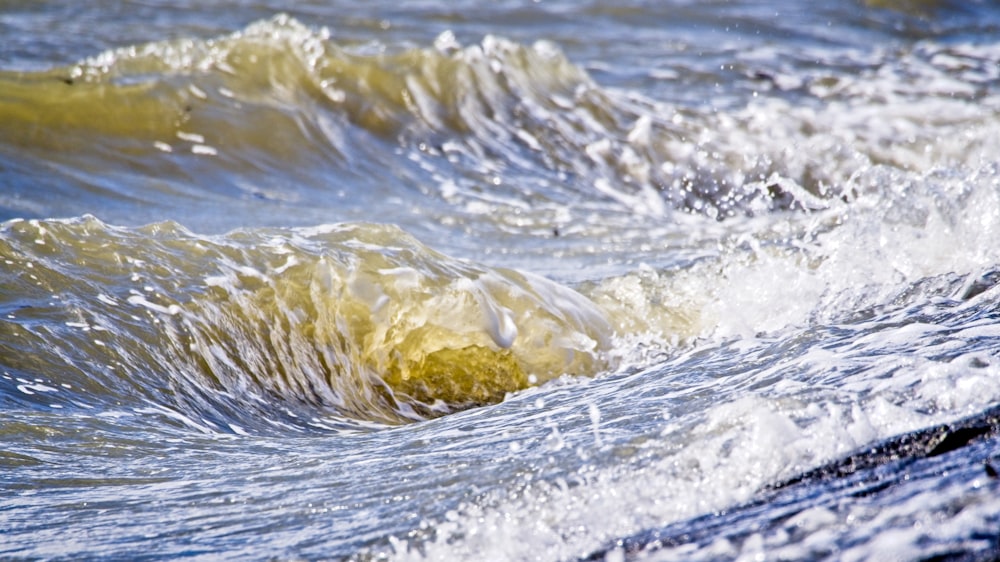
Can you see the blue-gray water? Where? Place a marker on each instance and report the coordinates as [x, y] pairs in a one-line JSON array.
[[504, 281]]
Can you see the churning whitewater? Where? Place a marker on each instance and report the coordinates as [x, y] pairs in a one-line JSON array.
[[530, 281]]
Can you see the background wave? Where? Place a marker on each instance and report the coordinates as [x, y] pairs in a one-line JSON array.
[[281, 113]]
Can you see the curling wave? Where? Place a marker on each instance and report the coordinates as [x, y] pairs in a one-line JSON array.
[[353, 321]]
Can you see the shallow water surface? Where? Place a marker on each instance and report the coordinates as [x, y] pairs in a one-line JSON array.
[[510, 281]]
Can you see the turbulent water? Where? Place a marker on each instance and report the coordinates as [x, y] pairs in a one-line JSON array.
[[500, 281]]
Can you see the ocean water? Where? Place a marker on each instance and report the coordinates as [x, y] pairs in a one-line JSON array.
[[499, 281]]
